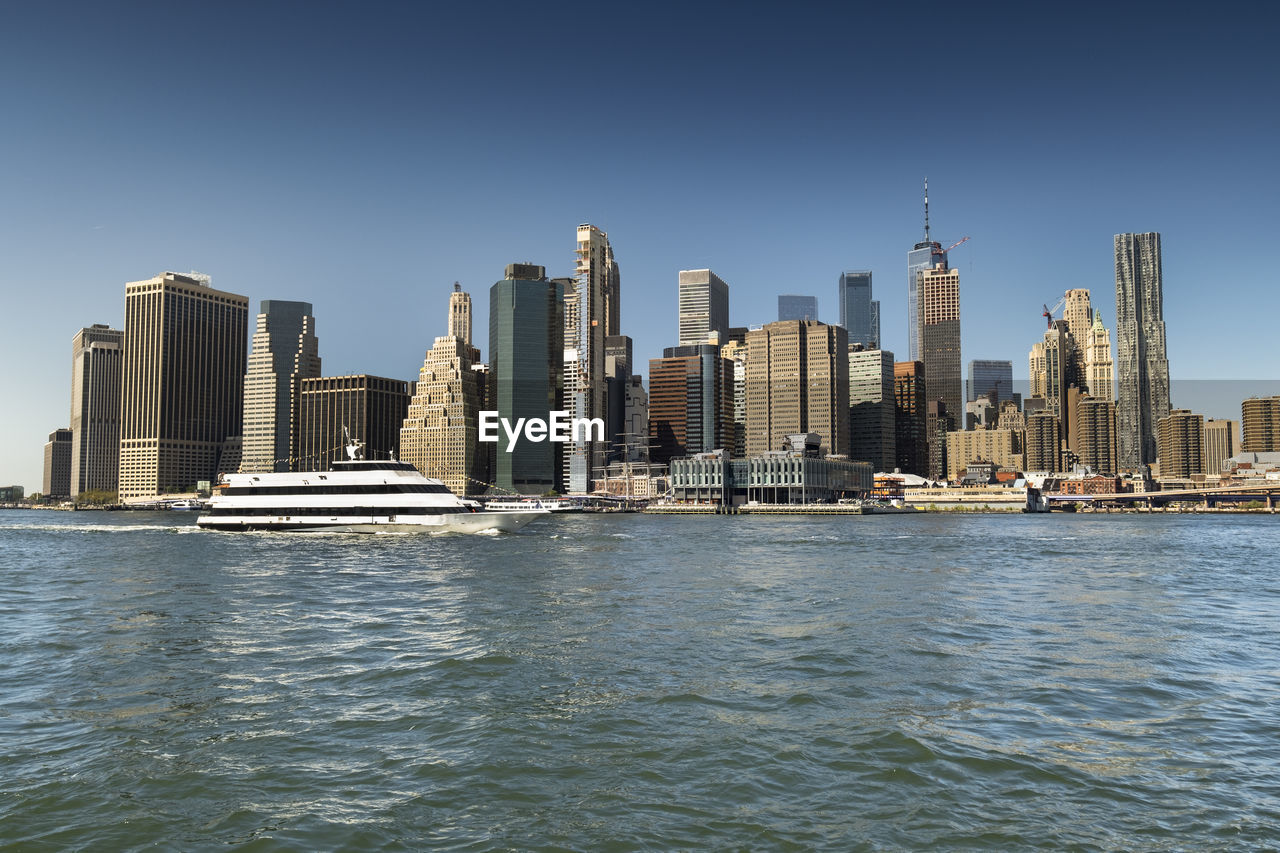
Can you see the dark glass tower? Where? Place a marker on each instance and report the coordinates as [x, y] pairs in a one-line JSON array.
[[855, 307]]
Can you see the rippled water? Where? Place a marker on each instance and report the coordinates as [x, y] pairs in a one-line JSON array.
[[632, 682]]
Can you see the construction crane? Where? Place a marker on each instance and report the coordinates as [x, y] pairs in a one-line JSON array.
[[940, 251], [1049, 312]]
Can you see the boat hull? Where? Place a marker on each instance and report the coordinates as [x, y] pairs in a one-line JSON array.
[[457, 522]]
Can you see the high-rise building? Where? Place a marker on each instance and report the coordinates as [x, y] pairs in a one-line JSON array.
[[794, 307], [736, 351], [797, 382], [617, 372], [1078, 313], [871, 408], [926, 255], [876, 340], [1098, 365], [1044, 446], [460, 314], [855, 308], [703, 306], [1220, 443], [938, 422], [285, 351], [370, 409], [526, 346], [991, 379], [690, 402], [1180, 439], [938, 292], [1053, 364], [1000, 447], [95, 409], [637, 420], [57, 464], [1260, 421], [1142, 364], [182, 382], [1096, 430], [586, 315], [910, 421], [440, 432]]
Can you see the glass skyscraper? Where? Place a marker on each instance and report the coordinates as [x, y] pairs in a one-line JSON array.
[[855, 307], [793, 307]]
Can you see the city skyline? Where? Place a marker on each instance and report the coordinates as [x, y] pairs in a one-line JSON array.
[[381, 180]]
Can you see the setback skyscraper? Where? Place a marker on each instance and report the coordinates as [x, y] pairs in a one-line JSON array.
[[1142, 364], [704, 307], [285, 351], [95, 409], [182, 381]]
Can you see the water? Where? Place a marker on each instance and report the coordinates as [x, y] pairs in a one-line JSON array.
[[643, 683]]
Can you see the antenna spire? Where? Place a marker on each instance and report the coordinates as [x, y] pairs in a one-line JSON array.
[[926, 209]]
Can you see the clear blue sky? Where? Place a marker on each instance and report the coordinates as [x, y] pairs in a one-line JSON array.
[[364, 157]]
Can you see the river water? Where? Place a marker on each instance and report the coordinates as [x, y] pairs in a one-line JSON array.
[[630, 682]]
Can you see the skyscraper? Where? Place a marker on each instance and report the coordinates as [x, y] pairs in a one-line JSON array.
[[1180, 438], [460, 314], [855, 308], [1078, 313], [1220, 443], [704, 306], [794, 307], [585, 320], [1096, 428], [690, 402], [938, 294], [1142, 364], [871, 407], [182, 382], [910, 420], [988, 377], [876, 340], [285, 351], [925, 255], [57, 464], [440, 432], [1098, 364], [797, 382], [95, 409], [526, 347], [371, 408]]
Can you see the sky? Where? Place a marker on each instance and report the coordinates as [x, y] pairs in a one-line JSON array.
[[363, 157]]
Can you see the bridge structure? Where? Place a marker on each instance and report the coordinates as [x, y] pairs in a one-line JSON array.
[[1268, 493]]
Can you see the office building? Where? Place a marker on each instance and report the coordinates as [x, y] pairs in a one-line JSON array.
[[637, 421], [182, 382], [1180, 442], [1078, 314], [460, 314], [526, 347], [1000, 447], [797, 382], [371, 409], [1260, 422], [95, 409], [1220, 443], [793, 307], [1053, 370], [1142, 364], [589, 299], [926, 255], [938, 295], [1095, 444], [703, 306], [990, 379], [736, 351], [855, 308], [1044, 446], [57, 465], [876, 340], [439, 434], [871, 407], [938, 422], [285, 351], [910, 424], [1098, 364], [690, 402]]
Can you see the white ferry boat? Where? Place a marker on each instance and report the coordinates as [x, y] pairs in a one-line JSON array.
[[354, 496], [522, 504]]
